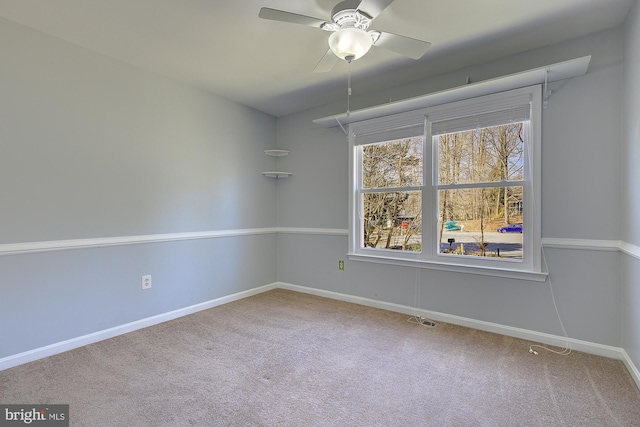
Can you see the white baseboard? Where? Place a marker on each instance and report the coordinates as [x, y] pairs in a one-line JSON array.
[[60, 347], [535, 337]]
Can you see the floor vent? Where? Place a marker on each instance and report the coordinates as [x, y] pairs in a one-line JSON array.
[[422, 321]]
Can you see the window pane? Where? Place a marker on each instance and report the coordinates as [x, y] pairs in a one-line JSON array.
[[481, 221], [490, 154], [393, 220], [392, 164]]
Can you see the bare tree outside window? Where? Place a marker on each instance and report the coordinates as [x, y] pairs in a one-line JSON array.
[[391, 211], [453, 186], [478, 175]]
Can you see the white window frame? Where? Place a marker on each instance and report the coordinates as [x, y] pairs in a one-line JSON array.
[[395, 127]]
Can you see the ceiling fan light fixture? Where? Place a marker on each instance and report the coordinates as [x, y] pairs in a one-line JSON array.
[[350, 42]]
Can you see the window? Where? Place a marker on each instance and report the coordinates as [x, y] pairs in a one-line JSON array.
[[454, 186], [392, 177]]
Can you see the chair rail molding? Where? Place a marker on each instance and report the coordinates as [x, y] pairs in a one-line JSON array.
[[59, 245]]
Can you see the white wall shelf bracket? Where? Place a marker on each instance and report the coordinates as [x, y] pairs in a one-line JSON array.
[[342, 127]]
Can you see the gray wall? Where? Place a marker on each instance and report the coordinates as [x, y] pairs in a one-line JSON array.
[[93, 148], [580, 200], [631, 185]]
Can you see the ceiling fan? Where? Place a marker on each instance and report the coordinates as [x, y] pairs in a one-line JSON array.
[[350, 37]]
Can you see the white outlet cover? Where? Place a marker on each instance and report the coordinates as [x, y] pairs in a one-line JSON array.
[[146, 282]]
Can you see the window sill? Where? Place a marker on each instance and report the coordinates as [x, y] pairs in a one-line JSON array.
[[457, 268]]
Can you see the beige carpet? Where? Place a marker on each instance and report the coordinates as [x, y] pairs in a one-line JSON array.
[[283, 358]]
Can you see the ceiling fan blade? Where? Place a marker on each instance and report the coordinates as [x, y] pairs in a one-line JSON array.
[[413, 48], [294, 18], [373, 8], [327, 62]]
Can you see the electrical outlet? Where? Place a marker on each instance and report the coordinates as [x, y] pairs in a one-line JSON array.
[[341, 264], [146, 282]]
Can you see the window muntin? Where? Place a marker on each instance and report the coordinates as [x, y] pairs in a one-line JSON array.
[[519, 180]]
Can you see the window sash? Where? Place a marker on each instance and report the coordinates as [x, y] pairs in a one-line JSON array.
[[390, 189], [491, 184]]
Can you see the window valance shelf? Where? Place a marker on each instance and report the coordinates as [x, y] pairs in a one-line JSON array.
[[550, 73]]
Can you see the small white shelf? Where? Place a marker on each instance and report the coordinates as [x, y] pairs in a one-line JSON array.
[[277, 174], [276, 153]]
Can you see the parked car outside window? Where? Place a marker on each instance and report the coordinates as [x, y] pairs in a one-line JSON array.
[[511, 228]]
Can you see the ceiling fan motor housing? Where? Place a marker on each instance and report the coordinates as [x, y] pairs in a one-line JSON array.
[[347, 15]]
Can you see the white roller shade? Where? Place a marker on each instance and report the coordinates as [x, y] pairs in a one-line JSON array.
[[388, 129], [459, 118]]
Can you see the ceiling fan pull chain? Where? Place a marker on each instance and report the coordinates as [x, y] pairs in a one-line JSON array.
[[348, 88]]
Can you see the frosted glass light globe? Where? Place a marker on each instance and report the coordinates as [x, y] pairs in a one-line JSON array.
[[350, 43]]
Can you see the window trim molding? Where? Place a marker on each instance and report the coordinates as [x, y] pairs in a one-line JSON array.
[[534, 276], [531, 267]]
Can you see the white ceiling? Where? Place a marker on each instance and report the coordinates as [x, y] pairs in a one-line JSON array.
[[223, 47]]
